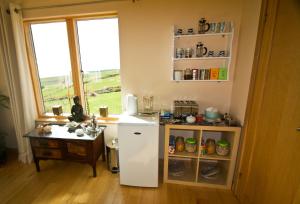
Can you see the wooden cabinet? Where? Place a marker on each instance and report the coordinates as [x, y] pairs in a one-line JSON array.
[[209, 67], [185, 168], [62, 145]]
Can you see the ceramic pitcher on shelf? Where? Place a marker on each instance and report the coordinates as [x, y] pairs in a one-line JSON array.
[[200, 50], [202, 25]]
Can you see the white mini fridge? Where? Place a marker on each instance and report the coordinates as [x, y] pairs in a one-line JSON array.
[[138, 151]]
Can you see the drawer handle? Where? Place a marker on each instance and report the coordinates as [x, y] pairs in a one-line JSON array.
[[47, 153], [137, 133]]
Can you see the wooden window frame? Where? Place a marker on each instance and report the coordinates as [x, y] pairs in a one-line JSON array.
[[74, 55]]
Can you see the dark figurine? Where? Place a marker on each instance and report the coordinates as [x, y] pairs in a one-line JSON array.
[[76, 111]]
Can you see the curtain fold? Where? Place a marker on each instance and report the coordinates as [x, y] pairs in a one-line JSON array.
[[19, 80]]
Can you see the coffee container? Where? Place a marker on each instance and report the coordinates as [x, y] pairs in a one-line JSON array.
[[195, 74], [203, 26], [178, 75], [188, 75]]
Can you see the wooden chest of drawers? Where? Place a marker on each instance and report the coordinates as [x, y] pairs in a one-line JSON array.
[[62, 145]]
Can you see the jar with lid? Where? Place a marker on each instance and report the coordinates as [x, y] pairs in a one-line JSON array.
[[188, 74], [191, 145], [223, 147], [179, 144], [211, 146]]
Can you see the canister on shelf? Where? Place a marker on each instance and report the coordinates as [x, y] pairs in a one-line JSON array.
[[191, 145], [188, 75], [195, 74], [178, 75], [223, 147], [179, 144], [211, 146]]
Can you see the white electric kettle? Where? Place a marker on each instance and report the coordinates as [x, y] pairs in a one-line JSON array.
[[131, 105]]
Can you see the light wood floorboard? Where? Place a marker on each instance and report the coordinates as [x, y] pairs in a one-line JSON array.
[[68, 182]]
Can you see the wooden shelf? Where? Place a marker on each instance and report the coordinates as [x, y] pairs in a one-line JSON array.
[[208, 80], [219, 180], [182, 169], [201, 58], [190, 173], [202, 35], [195, 156], [215, 157], [212, 42], [184, 155]]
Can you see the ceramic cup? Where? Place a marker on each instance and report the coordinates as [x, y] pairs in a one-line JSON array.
[[190, 31], [188, 53], [179, 31], [213, 27], [222, 27], [179, 53], [210, 53], [222, 53]]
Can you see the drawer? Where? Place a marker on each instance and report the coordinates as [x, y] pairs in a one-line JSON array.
[[48, 153], [77, 148], [48, 143]]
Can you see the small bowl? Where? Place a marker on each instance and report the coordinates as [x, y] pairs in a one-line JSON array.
[[190, 119], [79, 132], [212, 115]]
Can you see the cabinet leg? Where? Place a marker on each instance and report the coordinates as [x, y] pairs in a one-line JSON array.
[[37, 165], [103, 156], [94, 170]]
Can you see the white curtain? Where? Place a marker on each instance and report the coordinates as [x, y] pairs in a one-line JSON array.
[[19, 79]]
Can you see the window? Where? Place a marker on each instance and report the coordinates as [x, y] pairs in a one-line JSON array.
[[75, 56], [53, 64], [99, 54]]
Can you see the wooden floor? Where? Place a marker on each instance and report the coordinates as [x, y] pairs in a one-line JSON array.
[[68, 182]]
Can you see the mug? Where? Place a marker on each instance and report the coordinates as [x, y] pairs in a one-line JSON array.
[[228, 27], [218, 26], [179, 31], [210, 53], [190, 31], [222, 53], [179, 52], [188, 53], [213, 27], [222, 27]]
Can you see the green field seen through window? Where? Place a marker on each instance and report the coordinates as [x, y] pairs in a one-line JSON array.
[[102, 88]]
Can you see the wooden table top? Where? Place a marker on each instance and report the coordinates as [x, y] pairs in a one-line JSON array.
[[61, 132]]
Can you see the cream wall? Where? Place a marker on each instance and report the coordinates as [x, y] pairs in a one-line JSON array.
[[146, 29], [245, 57]]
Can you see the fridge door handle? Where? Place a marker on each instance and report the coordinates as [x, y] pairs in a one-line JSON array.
[[137, 133]]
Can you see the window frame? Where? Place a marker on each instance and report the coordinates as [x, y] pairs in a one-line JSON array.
[[73, 43]]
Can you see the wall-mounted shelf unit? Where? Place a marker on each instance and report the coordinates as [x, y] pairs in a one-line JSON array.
[[185, 168], [205, 68]]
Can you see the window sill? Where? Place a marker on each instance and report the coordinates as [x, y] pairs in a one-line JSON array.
[[111, 119]]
